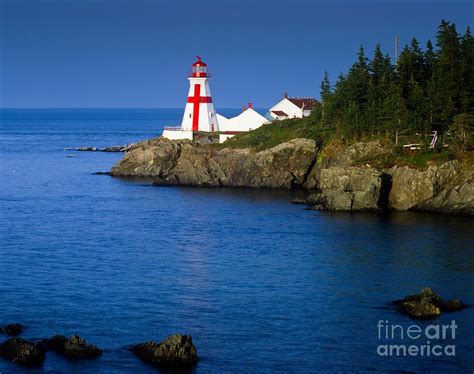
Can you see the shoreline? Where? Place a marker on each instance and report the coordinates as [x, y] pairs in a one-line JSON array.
[[332, 182]]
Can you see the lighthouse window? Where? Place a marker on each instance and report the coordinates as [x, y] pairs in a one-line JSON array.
[[190, 115]]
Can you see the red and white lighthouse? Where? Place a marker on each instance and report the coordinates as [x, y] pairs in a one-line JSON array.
[[199, 114]]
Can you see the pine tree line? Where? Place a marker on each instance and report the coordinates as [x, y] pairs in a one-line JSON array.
[[425, 90]]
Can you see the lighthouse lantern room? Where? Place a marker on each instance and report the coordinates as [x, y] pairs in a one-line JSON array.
[[199, 113]]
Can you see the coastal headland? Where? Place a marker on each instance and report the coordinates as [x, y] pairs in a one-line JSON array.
[[351, 178]]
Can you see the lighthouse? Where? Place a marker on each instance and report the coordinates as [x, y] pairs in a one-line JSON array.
[[199, 113]]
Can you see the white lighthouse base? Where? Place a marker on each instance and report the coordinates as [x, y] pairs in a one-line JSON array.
[[175, 133]]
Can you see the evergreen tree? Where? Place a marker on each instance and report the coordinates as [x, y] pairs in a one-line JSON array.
[[467, 72], [448, 75], [426, 91], [326, 89], [429, 60]]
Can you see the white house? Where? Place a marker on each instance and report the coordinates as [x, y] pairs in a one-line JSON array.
[[293, 107], [248, 120]]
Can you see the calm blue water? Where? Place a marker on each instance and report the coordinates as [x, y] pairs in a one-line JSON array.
[[262, 285]]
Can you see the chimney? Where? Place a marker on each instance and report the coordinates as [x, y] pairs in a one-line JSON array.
[[285, 96], [250, 105]]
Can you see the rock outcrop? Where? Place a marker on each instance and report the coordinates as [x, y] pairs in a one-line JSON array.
[[447, 188], [185, 163], [23, 352], [348, 188], [427, 304], [73, 348], [176, 351], [341, 156]]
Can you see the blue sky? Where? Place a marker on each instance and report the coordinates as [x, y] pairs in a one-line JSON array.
[[137, 54]]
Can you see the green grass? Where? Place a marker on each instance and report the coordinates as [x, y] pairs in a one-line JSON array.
[[418, 159], [277, 132]]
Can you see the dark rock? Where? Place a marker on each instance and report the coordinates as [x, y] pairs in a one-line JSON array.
[[427, 304], [14, 329], [23, 352], [176, 351], [73, 348]]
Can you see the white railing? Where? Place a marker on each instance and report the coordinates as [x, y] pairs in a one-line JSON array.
[[173, 128], [415, 146]]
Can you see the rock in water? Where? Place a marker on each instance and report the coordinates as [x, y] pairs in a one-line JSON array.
[[427, 304], [14, 329], [74, 348], [23, 352], [420, 309], [174, 352]]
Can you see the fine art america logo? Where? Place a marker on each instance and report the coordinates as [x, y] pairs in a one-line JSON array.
[[416, 340]]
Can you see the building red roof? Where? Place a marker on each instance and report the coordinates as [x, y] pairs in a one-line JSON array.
[[280, 113], [306, 103]]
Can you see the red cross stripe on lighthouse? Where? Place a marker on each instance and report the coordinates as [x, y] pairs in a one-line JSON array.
[[197, 99]]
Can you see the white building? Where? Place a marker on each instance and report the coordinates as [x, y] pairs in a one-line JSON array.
[[200, 115], [246, 121], [293, 107]]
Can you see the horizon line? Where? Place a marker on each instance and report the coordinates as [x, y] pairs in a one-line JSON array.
[[108, 108]]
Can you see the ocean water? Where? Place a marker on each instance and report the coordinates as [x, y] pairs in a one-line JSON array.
[[262, 285]]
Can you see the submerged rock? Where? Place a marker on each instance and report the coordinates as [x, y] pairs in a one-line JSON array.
[[23, 352], [427, 304], [73, 348], [176, 351], [14, 329]]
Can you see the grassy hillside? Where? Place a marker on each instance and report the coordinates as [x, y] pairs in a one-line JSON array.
[[278, 132]]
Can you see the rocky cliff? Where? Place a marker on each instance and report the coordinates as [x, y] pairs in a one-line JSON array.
[[185, 163], [334, 180]]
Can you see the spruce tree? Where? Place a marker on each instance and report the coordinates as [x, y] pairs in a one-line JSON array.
[[467, 72], [448, 75]]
